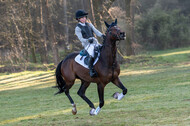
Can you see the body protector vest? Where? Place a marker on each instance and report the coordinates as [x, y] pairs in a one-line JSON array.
[[86, 31]]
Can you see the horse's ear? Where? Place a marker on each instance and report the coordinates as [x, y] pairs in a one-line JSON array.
[[116, 21], [107, 25]]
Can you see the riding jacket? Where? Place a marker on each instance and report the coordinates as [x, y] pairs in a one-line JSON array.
[[84, 31]]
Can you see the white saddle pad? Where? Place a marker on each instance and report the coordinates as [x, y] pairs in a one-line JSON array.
[[81, 62]]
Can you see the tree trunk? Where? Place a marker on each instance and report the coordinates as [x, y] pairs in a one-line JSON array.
[[132, 20], [19, 36], [92, 11], [66, 35], [129, 50], [97, 9], [51, 35], [100, 12], [26, 45], [31, 37], [33, 48], [44, 51]]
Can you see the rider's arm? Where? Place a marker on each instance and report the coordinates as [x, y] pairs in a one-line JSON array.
[[80, 37], [98, 33]]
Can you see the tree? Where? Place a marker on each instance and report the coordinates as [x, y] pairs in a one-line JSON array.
[[129, 50], [51, 34], [100, 11], [162, 30], [43, 35]]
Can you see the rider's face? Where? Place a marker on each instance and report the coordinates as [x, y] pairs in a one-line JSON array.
[[83, 19]]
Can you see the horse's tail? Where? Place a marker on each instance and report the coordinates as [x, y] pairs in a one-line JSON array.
[[59, 79]]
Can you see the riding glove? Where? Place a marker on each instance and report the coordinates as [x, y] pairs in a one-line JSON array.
[[90, 40], [103, 36]]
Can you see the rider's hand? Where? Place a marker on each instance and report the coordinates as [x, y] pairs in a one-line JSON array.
[[90, 40], [103, 36]]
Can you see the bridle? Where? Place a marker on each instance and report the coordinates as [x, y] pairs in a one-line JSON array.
[[115, 35], [111, 34]]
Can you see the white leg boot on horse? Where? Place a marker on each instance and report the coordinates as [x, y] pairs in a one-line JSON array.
[[92, 112], [117, 95], [95, 111]]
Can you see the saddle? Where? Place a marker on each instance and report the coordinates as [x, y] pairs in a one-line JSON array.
[[83, 57]]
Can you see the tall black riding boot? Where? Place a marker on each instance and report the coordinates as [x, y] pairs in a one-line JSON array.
[[93, 73]]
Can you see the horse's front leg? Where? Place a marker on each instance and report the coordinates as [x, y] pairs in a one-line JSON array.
[[118, 83], [101, 97]]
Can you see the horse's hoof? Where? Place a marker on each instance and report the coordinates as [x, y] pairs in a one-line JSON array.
[[115, 95], [74, 109], [92, 112], [74, 112]]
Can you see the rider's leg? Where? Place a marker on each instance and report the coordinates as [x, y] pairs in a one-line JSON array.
[[93, 73], [90, 50]]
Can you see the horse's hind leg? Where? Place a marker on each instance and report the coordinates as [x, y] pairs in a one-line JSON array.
[[81, 93], [118, 83], [74, 110]]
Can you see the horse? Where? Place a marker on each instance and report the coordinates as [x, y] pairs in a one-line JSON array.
[[107, 67]]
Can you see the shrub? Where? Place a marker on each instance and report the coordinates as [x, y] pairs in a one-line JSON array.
[[159, 29]]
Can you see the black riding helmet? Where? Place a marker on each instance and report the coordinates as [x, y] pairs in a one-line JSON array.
[[80, 14]]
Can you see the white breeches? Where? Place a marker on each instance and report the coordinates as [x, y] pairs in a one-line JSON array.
[[90, 48]]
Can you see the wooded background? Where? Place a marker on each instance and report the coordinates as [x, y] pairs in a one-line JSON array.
[[42, 31]]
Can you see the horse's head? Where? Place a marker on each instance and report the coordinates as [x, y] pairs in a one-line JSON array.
[[114, 32]]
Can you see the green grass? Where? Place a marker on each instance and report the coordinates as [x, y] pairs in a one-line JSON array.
[[158, 94]]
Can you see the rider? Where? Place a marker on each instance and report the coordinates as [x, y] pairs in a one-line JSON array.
[[85, 33]]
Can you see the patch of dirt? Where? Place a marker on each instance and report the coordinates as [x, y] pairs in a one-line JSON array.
[[186, 100]]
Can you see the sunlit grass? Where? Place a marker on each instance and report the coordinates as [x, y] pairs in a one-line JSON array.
[[187, 64], [40, 115], [26, 79], [137, 72], [29, 84], [173, 53], [23, 74]]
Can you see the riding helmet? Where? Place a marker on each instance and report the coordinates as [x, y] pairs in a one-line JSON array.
[[80, 13]]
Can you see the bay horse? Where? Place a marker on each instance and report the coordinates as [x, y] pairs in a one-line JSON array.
[[107, 67]]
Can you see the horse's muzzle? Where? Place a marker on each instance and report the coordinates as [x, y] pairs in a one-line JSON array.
[[122, 36]]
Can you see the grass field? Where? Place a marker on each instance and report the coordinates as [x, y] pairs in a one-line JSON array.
[[158, 94]]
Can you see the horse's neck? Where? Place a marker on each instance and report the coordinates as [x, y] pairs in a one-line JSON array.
[[108, 54]]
